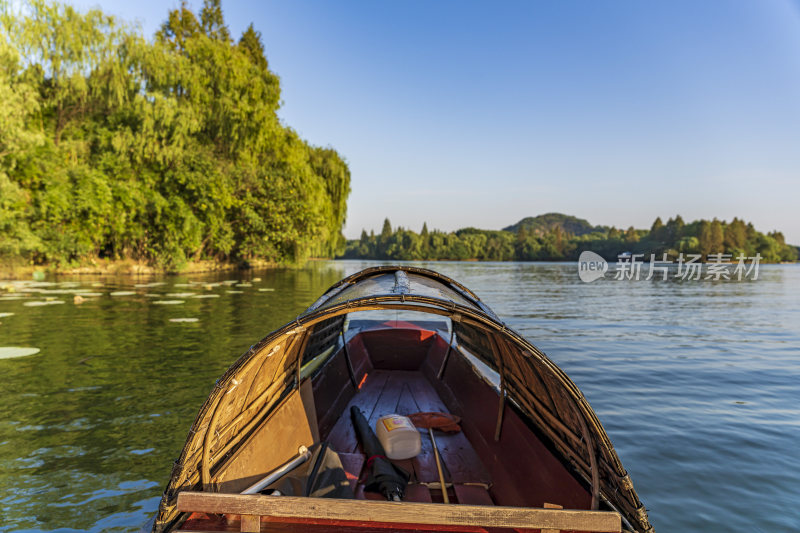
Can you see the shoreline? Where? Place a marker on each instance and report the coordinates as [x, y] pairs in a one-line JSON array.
[[125, 267], [131, 268]]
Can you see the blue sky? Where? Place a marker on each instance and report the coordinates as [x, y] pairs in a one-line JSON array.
[[481, 113]]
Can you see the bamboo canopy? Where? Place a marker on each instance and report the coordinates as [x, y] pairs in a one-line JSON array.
[[257, 382]]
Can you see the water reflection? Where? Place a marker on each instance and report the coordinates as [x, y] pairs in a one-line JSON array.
[[94, 421]]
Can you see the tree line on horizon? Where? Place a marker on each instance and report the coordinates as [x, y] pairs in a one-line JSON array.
[[555, 244], [164, 150]]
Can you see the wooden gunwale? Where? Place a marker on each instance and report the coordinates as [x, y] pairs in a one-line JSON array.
[[400, 512]]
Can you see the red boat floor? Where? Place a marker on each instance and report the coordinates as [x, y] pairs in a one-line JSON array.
[[406, 392]]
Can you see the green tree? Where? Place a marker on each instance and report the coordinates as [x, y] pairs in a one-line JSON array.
[[631, 236], [63, 45], [335, 175], [704, 238], [558, 240], [735, 236], [250, 43], [716, 237], [674, 230], [386, 231], [181, 26], [212, 21], [657, 230]]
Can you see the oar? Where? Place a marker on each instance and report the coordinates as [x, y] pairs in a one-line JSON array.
[[439, 466], [303, 454]]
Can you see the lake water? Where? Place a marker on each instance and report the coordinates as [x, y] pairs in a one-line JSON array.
[[696, 382]]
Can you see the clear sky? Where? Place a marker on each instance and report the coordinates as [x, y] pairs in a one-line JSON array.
[[481, 113]]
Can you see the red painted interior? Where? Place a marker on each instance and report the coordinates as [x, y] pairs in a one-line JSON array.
[[397, 349], [397, 371], [520, 469], [332, 386], [526, 473]]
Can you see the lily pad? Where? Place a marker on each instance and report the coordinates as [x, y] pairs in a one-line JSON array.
[[10, 352], [122, 293], [235, 292], [206, 296], [3, 315], [266, 290], [184, 319], [38, 304], [168, 302]]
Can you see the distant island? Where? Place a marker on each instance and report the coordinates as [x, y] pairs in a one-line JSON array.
[[558, 237]]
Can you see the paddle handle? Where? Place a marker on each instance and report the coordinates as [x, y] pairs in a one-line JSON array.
[[303, 454], [439, 466]]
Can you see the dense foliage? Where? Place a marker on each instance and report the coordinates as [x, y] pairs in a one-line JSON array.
[[546, 240], [164, 151]]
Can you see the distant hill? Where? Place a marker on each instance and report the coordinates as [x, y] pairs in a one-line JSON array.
[[544, 223]]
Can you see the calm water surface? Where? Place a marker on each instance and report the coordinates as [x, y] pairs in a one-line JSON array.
[[697, 383]]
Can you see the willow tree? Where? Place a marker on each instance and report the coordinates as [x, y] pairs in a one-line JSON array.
[[18, 108], [162, 150]]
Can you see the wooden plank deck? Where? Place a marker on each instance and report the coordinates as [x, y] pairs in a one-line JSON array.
[[406, 392]]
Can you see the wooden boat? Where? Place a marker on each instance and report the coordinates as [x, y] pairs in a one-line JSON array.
[[531, 454]]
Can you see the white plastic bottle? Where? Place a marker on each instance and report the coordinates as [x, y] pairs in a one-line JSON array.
[[398, 436]]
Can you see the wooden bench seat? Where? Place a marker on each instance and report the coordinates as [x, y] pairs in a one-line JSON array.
[[278, 509]]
